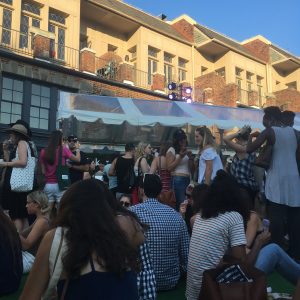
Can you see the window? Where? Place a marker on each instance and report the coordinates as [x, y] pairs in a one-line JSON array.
[[249, 76], [182, 64], [6, 27], [238, 72], [56, 22], [239, 86], [11, 100], [10, 2], [221, 72], [292, 85], [28, 20], [168, 68], [259, 80], [40, 105], [152, 63]]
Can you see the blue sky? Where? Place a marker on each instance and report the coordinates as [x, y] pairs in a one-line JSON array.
[[276, 20]]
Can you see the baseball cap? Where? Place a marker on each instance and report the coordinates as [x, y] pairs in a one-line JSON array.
[[72, 138]]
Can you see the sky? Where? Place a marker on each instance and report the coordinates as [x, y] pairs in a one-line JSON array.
[[276, 20]]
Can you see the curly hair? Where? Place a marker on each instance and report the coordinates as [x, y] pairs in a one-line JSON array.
[[225, 196], [208, 138], [140, 149], [91, 224]]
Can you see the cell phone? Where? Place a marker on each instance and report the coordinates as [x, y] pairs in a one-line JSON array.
[[266, 224]]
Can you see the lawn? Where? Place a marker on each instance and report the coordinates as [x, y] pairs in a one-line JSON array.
[[275, 281]]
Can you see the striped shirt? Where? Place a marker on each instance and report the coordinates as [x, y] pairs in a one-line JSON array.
[[211, 238]]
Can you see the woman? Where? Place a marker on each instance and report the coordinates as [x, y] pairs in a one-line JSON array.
[[282, 186], [49, 159], [10, 256], [37, 204], [15, 152], [141, 167], [95, 266], [178, 163], [209, 160], [126, 200], [159, 166], [242, 162], [219, 229]]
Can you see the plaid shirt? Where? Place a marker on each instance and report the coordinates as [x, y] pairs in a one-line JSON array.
[[146, 279], [241, 169], [168, 241]]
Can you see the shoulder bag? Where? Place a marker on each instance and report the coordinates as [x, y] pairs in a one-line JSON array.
[[253, 289], [21, 179], [62, 173]]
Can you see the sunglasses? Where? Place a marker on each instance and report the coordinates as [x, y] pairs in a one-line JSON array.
[[124, 203]]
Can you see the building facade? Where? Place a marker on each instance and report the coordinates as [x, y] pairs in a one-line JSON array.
[[107, 47]]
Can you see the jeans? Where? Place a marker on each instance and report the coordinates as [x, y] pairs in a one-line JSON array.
[[179, 185], [285, 219], [272, 257]]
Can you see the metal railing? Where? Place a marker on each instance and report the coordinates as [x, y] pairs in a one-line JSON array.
[[23, 43], [250, 98], [112, 69]]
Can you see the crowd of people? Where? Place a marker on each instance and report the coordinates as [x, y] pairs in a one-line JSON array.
[[149, 221]]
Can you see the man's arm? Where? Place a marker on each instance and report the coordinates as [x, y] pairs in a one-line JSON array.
[[82, 168]]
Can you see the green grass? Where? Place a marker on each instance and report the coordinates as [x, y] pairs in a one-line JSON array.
[[277, 283]]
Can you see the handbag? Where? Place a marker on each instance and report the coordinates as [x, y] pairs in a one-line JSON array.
[[62, 173], [264, 157], [21, 179], [255, 289], [57, 250]]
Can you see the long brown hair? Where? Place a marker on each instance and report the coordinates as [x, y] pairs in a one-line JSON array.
[[55, 141], [93, 229]]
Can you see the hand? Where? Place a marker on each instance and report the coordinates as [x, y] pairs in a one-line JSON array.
[[5, 145], [3, 164], [68, 164], [263, 238], [77, 145], [189, 153], [254, 134], [183, 152], [183, 206]]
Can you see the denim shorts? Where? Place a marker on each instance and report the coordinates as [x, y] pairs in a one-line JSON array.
[[53, 192]]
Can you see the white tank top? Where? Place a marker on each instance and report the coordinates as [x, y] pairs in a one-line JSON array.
[[183, 166]]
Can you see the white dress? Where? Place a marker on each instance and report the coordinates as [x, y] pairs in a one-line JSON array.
[[282, 180]]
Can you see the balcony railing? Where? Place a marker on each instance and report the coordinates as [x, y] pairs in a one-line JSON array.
[[24, 43], [250, 98], [121, 72]]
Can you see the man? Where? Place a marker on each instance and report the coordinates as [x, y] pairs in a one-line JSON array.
[[167, 237], [76, 170], [123, 168]]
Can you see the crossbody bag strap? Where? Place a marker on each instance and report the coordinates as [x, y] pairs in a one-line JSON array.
[[59, 249]]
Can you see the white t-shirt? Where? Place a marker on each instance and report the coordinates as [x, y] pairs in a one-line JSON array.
[[211, 238], [209, 154], [183, 166]]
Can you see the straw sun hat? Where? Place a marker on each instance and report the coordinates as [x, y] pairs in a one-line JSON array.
[[18, 128]]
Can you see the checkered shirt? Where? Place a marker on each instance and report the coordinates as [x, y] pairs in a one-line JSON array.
[[146, 279], [168, 241], [241, 169]]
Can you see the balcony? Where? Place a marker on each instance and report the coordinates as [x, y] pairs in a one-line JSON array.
[[39, 47], [250, 98]]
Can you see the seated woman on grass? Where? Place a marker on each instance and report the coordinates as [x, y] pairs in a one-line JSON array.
[[31, 237]]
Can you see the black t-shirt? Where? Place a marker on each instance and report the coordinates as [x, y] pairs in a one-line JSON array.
[[123, 167], [76, 175]]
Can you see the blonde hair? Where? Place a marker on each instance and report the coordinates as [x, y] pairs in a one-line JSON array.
[[208, 138], [41, 199], [140, 149]]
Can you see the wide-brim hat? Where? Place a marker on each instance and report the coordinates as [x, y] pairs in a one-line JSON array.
[[20, 129]]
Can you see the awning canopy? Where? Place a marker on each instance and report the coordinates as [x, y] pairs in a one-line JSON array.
[[111, 120]]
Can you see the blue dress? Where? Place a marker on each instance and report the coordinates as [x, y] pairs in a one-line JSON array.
[[100, 286]]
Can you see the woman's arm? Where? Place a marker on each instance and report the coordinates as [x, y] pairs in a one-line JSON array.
[[22, 153], [253, 226], [266, 135], [208, 171], [172, 160], [236, 147], [38, 278], [112, 169], [154, 165], [38, 229]]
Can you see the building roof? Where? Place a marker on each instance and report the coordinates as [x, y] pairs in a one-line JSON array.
[[285, 53], [140, 17], [224, 39]]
